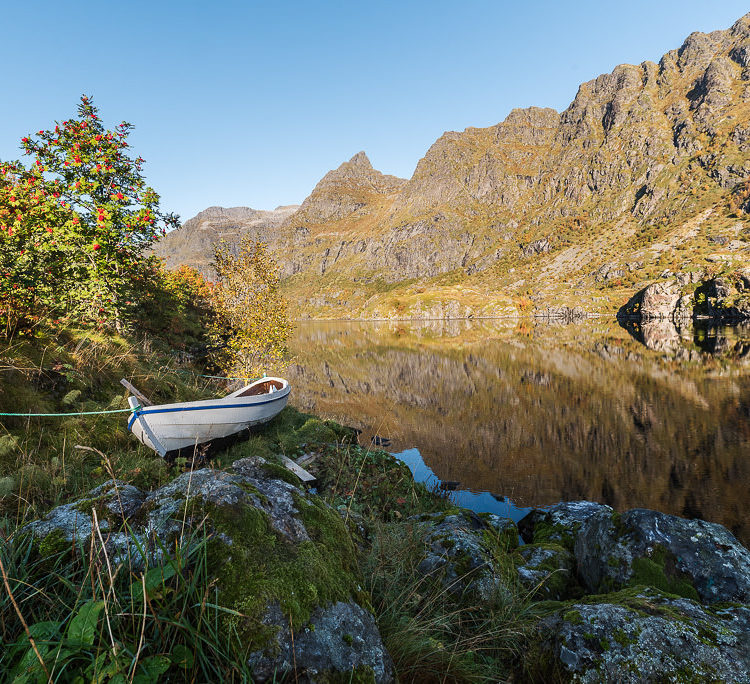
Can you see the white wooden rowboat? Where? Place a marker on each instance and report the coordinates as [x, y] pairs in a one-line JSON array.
[[169, 427]]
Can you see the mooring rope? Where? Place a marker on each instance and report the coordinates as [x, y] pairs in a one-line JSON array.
[[78, 413]]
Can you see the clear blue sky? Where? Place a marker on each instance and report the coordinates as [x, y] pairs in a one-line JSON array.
[[250, 103]]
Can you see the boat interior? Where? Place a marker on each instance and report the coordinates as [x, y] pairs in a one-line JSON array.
[[265, 387]]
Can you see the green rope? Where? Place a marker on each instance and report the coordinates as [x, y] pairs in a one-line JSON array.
[[80, 413]]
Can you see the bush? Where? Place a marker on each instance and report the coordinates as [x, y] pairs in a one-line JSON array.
[[252, 324], [74, 226]]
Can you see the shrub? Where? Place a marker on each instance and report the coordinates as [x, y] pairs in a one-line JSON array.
[[74, 226], [252, 324]]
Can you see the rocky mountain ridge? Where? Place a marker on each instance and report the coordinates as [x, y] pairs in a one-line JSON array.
[[193, 243], [647, 171]]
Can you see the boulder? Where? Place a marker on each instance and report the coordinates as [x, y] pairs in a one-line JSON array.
[[644, 636], [559, 524], [462, 548], [659, 300], [691, 558], [283, 561], [547, 571]]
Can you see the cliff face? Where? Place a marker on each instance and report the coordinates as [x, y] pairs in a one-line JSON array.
[[193, 243], [644, 172]]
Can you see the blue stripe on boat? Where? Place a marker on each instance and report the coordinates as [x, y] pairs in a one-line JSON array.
[[146, 411]]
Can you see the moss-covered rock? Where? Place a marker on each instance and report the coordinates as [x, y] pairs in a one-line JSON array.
[[373, 483], [642, 635], [283, 560], [558, 524], [468, 553], [547, 570], [691, 558]]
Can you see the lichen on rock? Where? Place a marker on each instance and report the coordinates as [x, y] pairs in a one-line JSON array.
[[691, 558], [283, 561], [642, 635]]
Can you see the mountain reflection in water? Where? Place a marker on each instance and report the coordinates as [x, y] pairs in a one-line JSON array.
[[536, 413]]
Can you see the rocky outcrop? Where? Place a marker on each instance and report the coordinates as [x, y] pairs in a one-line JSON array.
[[547, 571], [278, 553], [461, 551], [193, 243], [639, 159], [559, 524], [662, 300], [724, 298], [667, 597], [644, 635], [345, 190], [691, 558]]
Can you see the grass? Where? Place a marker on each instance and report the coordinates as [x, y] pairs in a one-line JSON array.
[[71, 614], [430, 635], [72, 371]]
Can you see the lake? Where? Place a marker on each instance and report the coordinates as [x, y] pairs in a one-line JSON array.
[[513, 414]]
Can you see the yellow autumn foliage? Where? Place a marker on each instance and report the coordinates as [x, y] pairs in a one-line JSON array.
[[251, 325]]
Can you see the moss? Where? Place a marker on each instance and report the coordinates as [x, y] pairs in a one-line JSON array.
[[545, 531], [642, 600], [55, 542], [622, 638], [261, 566], [660, 571], [279, 472], [573, 616], [312, 432], [347, 639], [559, 580], [373, 483]]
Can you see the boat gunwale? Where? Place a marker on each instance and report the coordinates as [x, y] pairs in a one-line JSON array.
[[209, 404]]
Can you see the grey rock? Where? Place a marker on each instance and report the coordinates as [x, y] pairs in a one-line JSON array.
[[689, 557], [659, 300], [67, 519], [140, 529], [649, 637], [193, 243], [546, 570], [560, 523], [459, 557], [536, 247], [338, 639]]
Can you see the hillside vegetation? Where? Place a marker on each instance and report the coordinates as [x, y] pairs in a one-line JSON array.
[[645, 174]]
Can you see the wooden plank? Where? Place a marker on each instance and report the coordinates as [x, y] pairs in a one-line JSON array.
[[300, 472], [145, 401], [306, 459]]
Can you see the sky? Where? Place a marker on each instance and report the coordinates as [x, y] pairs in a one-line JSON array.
[[251, 103]]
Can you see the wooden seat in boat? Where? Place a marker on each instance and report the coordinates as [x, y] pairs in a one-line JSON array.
[[266, 387]]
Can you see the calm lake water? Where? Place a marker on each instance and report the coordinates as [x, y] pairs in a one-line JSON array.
[[526, 414]]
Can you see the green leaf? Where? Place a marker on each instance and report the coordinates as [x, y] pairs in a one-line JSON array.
[[182, 657], [154, 580], [82, 628], [150, 669]]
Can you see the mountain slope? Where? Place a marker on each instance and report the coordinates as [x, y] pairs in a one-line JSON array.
[[645, 173], [193, 243]]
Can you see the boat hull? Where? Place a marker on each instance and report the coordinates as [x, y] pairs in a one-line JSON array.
[[170, 427]]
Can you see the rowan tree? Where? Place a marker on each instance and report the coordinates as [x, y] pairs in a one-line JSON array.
[[74, 226]]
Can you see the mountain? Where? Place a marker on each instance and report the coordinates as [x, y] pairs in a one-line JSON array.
[[645, 174], [193, 242]]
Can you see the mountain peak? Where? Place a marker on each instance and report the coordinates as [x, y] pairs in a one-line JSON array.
[[360, 160]]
